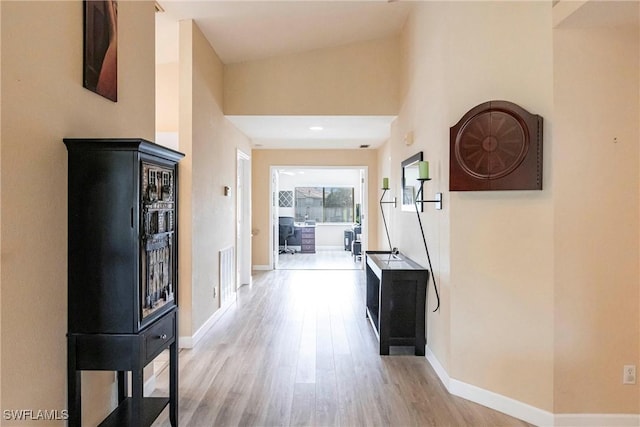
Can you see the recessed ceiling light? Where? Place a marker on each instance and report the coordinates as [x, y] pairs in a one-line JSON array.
[[315, 128]]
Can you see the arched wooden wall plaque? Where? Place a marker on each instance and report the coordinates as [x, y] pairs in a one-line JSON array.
[[497, 145]]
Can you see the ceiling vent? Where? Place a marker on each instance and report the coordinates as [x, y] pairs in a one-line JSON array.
[[364, 146]]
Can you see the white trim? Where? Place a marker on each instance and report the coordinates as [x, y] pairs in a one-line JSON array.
[[492, 400], [437, 366], [243, 219], [501, 403], [364, 169], [330, 248], [192, 341], [597, 420], [262, 267]]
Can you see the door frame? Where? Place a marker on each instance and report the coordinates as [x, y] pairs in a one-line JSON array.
[[243, 218], [274, 171]]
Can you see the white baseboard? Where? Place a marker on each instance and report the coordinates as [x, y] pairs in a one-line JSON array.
[[192, 341], [487, 398], [437, 366], [504, 404], [597, 420], [262, 267], [331, 248]]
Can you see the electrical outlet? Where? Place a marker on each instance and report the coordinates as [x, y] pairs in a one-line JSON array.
[[629, 374]]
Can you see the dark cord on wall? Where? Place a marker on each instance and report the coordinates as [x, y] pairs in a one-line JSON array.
[[384, 220], [435, 287]]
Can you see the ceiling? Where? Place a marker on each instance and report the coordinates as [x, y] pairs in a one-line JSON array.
[[248, 30], [308, 132], [602, 14], [242, 31]]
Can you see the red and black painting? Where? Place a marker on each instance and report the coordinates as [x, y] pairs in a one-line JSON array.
[[101, 47]]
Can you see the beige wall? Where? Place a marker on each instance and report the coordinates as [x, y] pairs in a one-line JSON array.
[[0, 200], [540, 289], [502, 242], [383, 161], [211, 141], [42, 102], [596, 220], [185, 145], [262, 160], [492, 252], [167, 97], [356, 79]]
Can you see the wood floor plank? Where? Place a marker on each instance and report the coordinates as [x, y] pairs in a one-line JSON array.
[[296, 349], [303, 407], [327, 411]]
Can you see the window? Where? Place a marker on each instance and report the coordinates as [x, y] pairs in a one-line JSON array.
[[308, 204], [324, 204]]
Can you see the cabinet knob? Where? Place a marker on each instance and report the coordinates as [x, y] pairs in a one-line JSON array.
[[163, 337]]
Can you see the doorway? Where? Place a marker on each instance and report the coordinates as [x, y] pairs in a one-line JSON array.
[[318, 217], [243, 219]]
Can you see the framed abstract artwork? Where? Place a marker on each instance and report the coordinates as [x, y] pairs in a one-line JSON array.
[[100, 70]]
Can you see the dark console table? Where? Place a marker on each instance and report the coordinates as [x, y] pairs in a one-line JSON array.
[[396, 297]]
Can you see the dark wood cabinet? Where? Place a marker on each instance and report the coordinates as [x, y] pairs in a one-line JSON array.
[[122, 269], [395, 300]]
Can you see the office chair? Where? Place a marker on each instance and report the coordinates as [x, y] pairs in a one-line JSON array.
[[286, 230]]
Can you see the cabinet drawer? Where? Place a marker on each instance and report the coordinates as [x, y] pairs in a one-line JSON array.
[[308, 241], [158, 335]]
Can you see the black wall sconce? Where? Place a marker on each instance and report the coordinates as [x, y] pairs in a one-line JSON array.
[[385, 188], [423, 175]]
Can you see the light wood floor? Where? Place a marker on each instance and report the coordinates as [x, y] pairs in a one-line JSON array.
[[321, 260], [296, 349]]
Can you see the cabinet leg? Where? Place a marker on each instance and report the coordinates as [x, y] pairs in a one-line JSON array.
[[173, 384], [137, 384], [74, 383], [122, 386]]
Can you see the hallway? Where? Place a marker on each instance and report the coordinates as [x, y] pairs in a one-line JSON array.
[[297, 350]]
